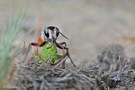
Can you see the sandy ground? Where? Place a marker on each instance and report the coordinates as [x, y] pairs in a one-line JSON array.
[[90, 24]]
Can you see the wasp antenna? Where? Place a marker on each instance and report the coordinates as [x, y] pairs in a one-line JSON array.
[[63, 35]]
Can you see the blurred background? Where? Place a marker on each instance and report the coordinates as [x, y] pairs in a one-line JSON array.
[[90, 25]]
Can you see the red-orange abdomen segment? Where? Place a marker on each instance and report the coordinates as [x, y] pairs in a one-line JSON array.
[[40, 40]]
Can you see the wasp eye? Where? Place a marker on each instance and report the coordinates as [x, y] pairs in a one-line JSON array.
[[47, 35], [57, 32], [46, 32]]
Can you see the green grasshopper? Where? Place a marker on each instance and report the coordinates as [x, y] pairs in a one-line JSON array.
[[47, 41], [49, 51]]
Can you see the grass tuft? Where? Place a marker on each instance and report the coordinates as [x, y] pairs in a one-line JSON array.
[[8, 37]]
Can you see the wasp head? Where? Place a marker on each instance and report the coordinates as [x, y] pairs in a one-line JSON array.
[[52, 33]]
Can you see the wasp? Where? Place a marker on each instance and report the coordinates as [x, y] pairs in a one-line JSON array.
[[48, 40]]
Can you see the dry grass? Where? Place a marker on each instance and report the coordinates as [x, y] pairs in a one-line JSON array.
[[113, 70]]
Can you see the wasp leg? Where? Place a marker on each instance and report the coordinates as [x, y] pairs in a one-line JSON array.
[[35, 45], [64, 53], [70, 58], [60, 45], [38, 45], [42, 44], [63, 43], [58, 63], [62, 59]]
